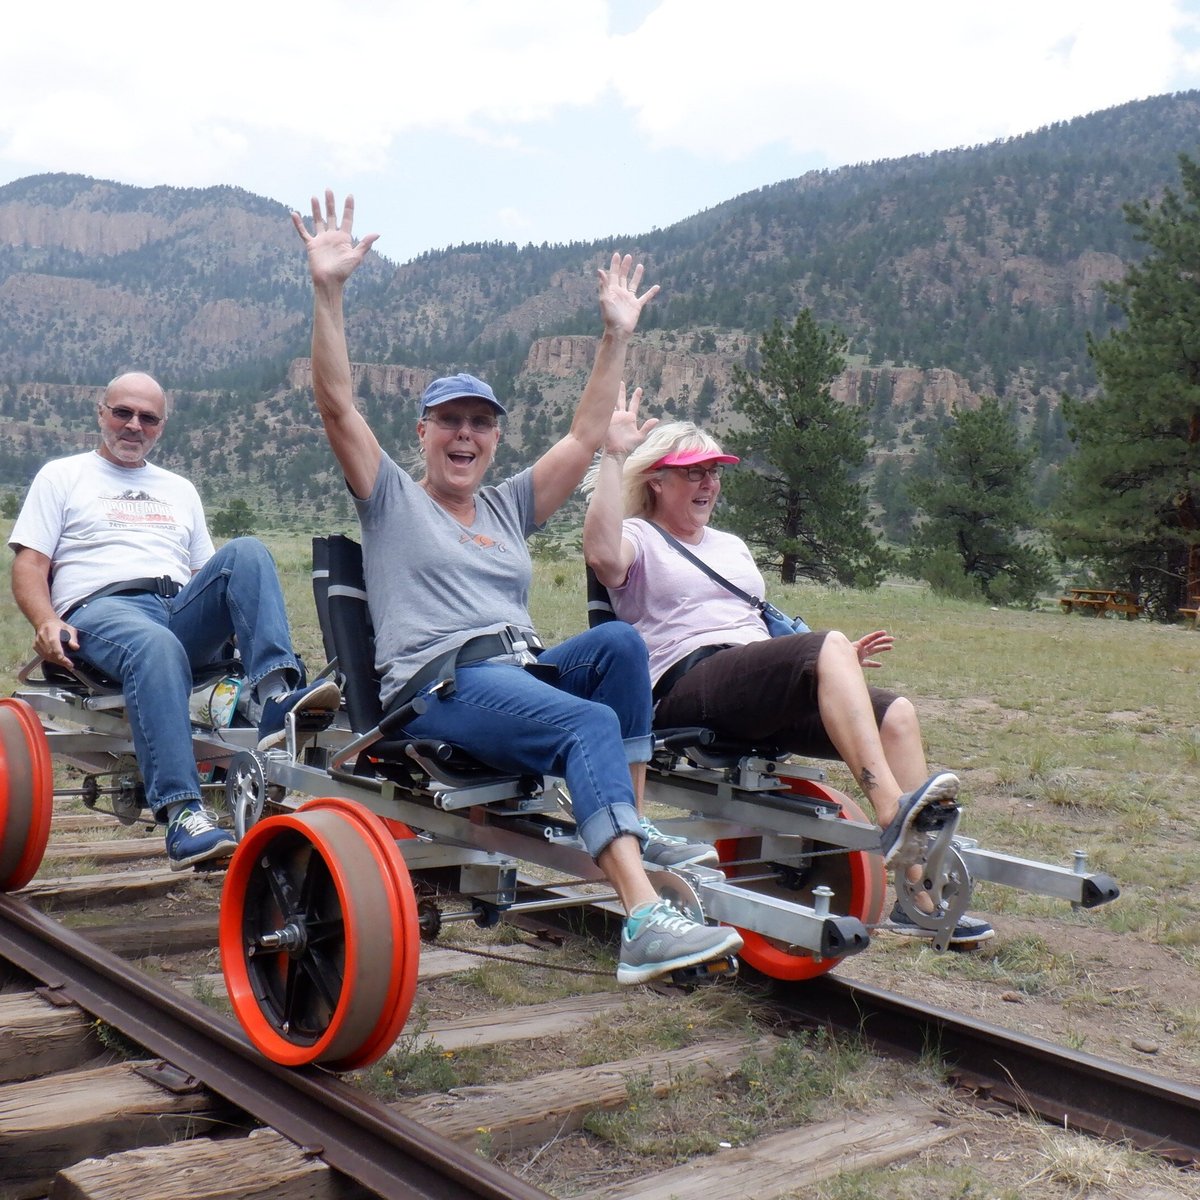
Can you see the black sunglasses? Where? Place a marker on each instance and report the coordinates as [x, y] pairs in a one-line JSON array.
[[125, 415]]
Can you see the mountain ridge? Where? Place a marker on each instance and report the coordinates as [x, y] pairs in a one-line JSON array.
[[963, 272]]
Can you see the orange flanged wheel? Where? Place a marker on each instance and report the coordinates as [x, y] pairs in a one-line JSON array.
[[26, 793], [407, 953], [319, 936], [857, 878]]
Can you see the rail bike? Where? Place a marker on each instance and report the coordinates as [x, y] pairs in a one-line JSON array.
[[357, 843]]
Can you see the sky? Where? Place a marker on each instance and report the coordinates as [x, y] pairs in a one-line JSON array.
[[552, 120]]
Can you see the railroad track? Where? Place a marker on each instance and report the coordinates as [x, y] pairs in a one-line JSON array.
[[333, 1140]]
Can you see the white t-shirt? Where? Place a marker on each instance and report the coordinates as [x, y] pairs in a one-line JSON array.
[[675, 606], [99, 524]]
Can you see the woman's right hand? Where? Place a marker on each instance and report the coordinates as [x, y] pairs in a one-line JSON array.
[[624, 433]]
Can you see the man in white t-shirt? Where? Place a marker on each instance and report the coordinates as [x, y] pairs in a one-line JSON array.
[[114, 564]]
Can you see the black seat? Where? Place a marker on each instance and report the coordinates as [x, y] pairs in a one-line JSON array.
[[340, 595], [599, 603], [90, 681]]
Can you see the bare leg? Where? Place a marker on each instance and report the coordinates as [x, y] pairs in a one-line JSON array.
[[902, 744], [849, 719], [621, 862], [905, 750], [637, 776]]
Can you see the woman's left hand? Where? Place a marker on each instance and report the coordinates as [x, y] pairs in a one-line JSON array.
[[620, 305], [870, 644], [624, 433]]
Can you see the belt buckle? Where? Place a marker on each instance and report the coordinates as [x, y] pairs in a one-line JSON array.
[[518, 646]]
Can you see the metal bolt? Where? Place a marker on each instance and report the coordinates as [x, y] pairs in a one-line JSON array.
[[290, 937], [821, 898]]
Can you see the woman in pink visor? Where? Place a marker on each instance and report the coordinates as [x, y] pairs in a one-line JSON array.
[[713, 662]]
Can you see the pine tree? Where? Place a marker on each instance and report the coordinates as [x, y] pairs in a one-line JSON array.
[[978, 508], [795, 500], [1130, 504]]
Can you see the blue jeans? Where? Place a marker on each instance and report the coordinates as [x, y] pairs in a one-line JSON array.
[[587, 725], [152, 644]]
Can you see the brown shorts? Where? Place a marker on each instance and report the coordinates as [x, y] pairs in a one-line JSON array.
[[765, 693]]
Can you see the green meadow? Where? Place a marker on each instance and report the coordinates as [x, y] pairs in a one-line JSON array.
[[1068, 732]]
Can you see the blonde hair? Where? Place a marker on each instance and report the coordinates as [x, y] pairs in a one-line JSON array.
[[637, 497]]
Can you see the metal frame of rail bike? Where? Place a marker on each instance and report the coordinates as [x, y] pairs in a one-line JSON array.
[[320, 924]]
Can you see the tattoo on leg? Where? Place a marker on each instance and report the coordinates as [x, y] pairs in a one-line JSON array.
[[867, 781]]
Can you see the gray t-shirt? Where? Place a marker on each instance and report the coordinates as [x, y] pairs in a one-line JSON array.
[[432, 583]]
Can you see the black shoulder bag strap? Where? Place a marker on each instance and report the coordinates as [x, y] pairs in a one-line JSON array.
[[753, 601]]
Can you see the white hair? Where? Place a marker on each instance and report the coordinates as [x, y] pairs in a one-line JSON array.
[[637, 497]]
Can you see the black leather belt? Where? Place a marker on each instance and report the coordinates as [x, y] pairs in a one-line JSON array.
[[674, 673], [164, 585]]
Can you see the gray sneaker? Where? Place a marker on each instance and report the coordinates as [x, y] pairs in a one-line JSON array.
[[667, 850], [658, 939], [938, 794]]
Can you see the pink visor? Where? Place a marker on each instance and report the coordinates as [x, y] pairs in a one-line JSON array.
[[689, 458]]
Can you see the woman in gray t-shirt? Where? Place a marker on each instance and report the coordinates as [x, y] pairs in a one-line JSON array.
[[447, 574]]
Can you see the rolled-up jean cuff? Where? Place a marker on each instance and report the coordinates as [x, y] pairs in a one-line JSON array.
[[162, 807], [639, 749], [608, 823]]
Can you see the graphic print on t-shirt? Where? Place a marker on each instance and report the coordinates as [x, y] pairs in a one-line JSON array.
[[483, 542], [137, 508]]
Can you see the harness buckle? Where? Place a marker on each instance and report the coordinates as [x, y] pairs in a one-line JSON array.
[[520, 645]]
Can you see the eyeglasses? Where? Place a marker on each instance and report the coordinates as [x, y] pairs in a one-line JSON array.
[[695, 474], [125, 415], [452, 424]]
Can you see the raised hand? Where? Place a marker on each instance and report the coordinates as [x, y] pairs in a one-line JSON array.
[[870, 644], [624, 433], [620, 305], [333, 254]]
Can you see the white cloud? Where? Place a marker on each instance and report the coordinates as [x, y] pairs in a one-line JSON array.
[[679, 97], [874, 78], [347, 77]]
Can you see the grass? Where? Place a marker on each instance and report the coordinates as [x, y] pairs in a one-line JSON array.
[[1067, 733], [784, 1083]]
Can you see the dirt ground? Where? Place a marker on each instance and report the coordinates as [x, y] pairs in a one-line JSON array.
[[1122, 1008]]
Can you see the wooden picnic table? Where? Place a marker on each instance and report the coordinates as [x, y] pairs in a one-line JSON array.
[[1099, 602]]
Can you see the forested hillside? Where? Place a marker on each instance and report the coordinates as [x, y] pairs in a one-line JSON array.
[[972, 271]]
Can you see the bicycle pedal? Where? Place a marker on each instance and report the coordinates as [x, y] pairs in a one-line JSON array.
[[706, 972], [314, 718], [210, 866]]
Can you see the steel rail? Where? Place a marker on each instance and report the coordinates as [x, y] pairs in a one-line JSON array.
[[1066, 1087], [389, 1154]]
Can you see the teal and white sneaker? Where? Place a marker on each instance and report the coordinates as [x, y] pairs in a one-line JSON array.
[[658, 939], [321, 698], [667, 850]]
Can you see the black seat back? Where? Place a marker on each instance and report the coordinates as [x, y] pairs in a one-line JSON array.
[[340, 594], [320, 584], [599, 603]]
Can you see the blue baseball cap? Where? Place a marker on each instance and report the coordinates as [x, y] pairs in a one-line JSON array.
[[459, 387]]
